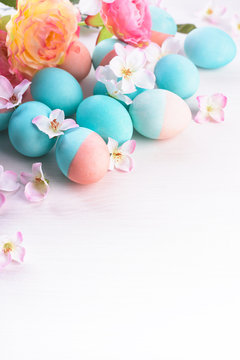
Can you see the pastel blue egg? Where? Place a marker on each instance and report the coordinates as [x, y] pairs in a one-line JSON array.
[[100, 89], [102, 49], [25, 137], [177, 74], [210, 47], [105, 116], [57, 89], [162, 21], [4, 119]]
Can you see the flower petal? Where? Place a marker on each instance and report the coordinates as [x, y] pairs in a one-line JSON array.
[[57, 115], [68, 124], [4, 104], [203, 102], [2, 200], [126, 164], [171, 46], [219, 100], [136, 60], [5, 259], [25, 177], [90, 7], [21, 89], [120, 51], [18, 254], [128, 147], [9, 181], [105, 73], [36, 193], [116, 65], [19, 238], [112, 145], [153, 52], [128, 86], [201, 117], [111, 164], [217, 115], [43, 124], [6, 89], [144, 79]]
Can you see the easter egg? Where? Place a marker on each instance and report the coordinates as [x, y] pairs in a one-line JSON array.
[[177, 74], [105, 116], [163, 25], [57, 89], [159, 114], [25, 137], [82, 156], [104, 52], [78, 60], [4, 119], [210, 47]]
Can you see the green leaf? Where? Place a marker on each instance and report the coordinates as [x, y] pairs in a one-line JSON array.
[[104, 34], [185, 28], [3, 22], [11, 3], [74, 1]]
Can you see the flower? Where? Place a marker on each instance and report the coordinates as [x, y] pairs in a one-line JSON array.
[[11, 97], [91, 7], [2, 200], [11, 250], [105, 75], [40, 34], [55, 124], [8, 180], [128, 20], [154, 52], [211, 108], [129, 66], [37, 187], [213, 12], [157, 3], [235, 23], [120, 156]]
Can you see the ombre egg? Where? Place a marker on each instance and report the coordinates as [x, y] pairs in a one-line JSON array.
[[159, 114], [82, 156], [163, 25]]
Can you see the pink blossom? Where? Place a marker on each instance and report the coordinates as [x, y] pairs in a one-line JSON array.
[[213, 13], [36, 185], [55, 125], [9, 96], [128, 20], [211, 108], [11, 250], [2, 200], [235, 24], [8, 180], [121, 156]]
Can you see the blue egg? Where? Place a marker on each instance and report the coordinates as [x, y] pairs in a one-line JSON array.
[[105, 116], [25, 137], [177, 74], [100, 89], [210, 47], [57, 89], [162, 22], [4, 119], [102, 49]]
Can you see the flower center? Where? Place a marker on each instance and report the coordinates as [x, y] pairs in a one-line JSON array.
[[13, 99], [117, 156], [209, 11], [209, 108], [55, 125], [126, 73], [8, 247], [238, 26]]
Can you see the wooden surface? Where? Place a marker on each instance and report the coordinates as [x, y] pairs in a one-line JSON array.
[[141, 266]]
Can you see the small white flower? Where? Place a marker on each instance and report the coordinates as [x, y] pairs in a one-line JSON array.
[[213, 13], [121, 155], [91, 7]]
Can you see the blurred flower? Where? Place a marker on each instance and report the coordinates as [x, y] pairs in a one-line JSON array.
[[55, 124], [235, 23], [36, 186], [120, 156], [157, 3], [211, 108], [8, 180], [40, 34], [129, 66], [154, 52], [11, 250], [213, 12], [92, 7], [128, 20], [11, 97], [2, 199]]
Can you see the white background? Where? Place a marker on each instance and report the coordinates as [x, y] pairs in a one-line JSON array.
[[140, 266]]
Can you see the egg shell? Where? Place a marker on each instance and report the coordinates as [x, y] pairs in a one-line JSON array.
[[100, 89], [159, 114], [177, 74], [57, 89], [4, 119], [104, 52], [106, 116], [78, 61], [25, 137], [82, 156], [163, 25], [210, 47]]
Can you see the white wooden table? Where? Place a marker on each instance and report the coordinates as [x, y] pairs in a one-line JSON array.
[[141, 266]]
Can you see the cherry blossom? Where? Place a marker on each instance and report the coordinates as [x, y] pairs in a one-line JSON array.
[[11, 250], [36, 185], [211, 108], [92, 7], [235, 24], [55, 125], [11, 97], [213, 13], [120, 158], [8, 180]]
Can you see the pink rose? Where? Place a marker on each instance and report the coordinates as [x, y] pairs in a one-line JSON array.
[[129, 20]]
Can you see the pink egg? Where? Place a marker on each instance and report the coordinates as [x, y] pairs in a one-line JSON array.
[[78, 61]]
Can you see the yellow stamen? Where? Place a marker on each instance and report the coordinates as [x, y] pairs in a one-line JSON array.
[[54, 125], [209, 108], [8, 247], [209, 11], [126, 73]]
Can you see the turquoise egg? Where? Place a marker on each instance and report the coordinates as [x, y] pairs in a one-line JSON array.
[[57, 89], [105, 116], [162, 21], [25, 137], [100, 89], [210, 47], [102, 50], [177, 74], [4, 119]]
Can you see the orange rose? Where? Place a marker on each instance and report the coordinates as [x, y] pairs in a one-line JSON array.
[[40, 34]]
